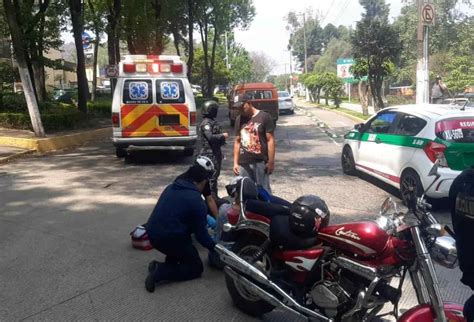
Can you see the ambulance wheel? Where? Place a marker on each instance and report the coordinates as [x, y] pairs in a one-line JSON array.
[[189, 152], [120, 152]]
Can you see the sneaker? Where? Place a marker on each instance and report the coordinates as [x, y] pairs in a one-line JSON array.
[[150, 279]]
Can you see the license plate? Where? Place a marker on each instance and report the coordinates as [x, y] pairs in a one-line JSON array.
[[168, 119]]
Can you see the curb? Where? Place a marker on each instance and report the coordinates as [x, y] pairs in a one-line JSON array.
[[15, 156], [45, 145]]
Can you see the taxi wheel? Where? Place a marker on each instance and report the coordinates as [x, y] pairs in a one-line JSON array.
[[120, 152], [347, 161], [409, 182]]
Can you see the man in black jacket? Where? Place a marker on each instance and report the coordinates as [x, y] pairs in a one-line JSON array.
[[180, 212], [462, 197]]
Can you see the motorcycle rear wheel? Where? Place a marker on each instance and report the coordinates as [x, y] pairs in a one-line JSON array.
[[244, 299]]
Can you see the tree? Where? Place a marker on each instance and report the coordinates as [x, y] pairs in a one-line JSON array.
[[241, 71], [77, 18], [359, 70], [314, 82], [332, 87], [19, 45], [95, 17], [7, 78], [376, 42], [114, 8], [461, 73], [198, 75], [214, 17], [261, 66], [336, 49]]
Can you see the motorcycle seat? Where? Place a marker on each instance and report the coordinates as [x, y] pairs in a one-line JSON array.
[[281, 235], [266, 209]]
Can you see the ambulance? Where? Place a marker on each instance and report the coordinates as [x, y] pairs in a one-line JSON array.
[[153, 105]]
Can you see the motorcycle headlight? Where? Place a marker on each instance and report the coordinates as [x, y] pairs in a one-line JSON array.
[[444, 252]]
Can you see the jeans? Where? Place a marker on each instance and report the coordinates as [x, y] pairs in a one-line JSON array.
[[182, 261], [258, 173]]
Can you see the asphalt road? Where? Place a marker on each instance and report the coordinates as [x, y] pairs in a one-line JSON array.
[[65, 220]]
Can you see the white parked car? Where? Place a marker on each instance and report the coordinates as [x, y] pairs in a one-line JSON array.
[[399, 145], [285, 103]]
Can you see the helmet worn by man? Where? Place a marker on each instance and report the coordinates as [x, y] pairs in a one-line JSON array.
[[308, 214], [205, 163], [209, 109]]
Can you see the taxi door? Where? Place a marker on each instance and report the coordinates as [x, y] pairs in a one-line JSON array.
[[372, 147]]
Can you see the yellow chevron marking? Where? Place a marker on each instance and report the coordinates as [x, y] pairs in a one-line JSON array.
[[134, 114], [146, 127], [169, 109]]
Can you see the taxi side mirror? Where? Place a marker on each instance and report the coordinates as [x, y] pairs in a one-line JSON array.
[[359, 127]]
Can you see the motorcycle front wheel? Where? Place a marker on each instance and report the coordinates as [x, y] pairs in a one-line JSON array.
[[243, 298]]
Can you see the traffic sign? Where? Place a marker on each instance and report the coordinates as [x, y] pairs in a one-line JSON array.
[[112, 71], [428, 14], [86, 40]]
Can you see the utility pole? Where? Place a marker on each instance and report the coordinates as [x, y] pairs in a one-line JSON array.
[[425, 18], [305, 53]]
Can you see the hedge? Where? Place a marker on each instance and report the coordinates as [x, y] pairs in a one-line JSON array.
[[59, 120]]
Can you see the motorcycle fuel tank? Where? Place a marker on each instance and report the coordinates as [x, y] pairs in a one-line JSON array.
[[364, 239]]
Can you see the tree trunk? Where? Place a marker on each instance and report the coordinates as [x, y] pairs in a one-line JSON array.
[[19, 46], [364, 96], [113, 48], [319, 95], [94, 65], [205, 47], [213, 61], [379, 101], [75, 6], [191, 40], [176, 41]]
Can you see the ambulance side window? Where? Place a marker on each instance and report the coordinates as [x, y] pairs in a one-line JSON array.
[[137, 91], [169, 91]]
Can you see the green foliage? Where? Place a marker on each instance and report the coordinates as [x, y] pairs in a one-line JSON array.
[[393, 100], [100, 108], [241, 70], [198, 75], [376, 42], [336, 49], [7, 77], [461, 73], [332, 87]]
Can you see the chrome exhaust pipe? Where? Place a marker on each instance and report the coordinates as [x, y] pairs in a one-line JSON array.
[[235, 263], [264, 295]]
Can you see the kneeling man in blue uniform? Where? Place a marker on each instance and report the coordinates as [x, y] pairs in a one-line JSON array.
[[179, 213]]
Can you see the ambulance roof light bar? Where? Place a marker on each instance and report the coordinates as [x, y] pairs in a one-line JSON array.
[[152, 64]]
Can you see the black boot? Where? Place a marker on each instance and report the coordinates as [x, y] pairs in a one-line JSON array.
[[150, 279]]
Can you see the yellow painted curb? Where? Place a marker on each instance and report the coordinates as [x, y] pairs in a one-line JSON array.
[[45, 145]]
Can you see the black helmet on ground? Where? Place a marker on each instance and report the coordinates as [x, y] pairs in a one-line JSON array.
[[209, 109], [308, 214]]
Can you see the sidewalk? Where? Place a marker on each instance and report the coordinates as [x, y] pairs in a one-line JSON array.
[[335, 123], [356, 107], [17, 143]]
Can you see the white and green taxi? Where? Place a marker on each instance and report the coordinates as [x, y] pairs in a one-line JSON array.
[[400, 144]]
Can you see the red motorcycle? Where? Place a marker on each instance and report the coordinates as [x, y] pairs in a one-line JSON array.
[[343, 272]]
